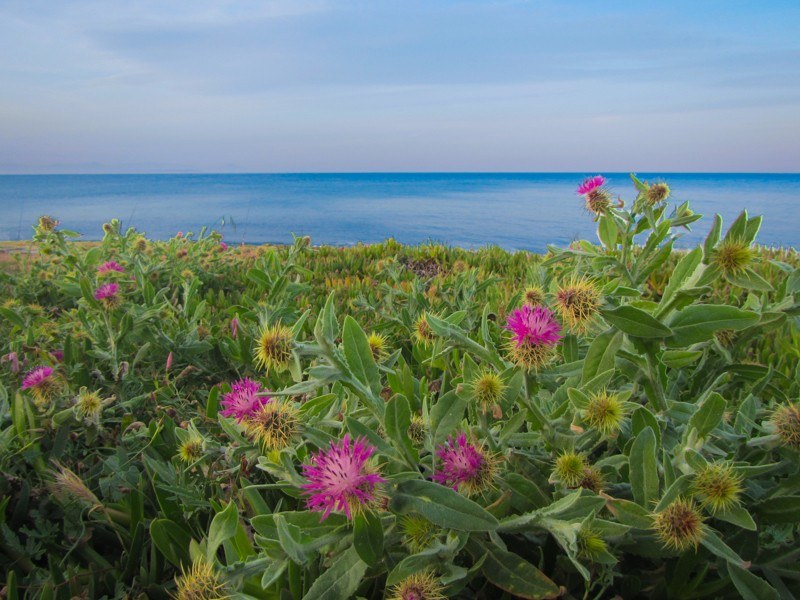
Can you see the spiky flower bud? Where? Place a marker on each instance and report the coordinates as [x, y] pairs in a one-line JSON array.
[[591, 545], [680, 525], [274, 424], [570, 468], [378, 345], [488, 389], [88, 406], [191, 449], [417, 533], [201, 582], [577, 303], [422, 330], [274, 347], [786, 421], [657, 193], [422, 585], [592, 479], [417, 430], [733, 256], [47, 223], [534, 296], [718, 487], [605, 412]]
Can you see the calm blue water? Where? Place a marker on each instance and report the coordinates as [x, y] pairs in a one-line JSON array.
[[515, 211]]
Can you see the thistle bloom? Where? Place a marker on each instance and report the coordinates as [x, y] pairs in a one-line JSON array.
[[536, 332], [201, 582], [597, 199], [110, 266], [37, 378], [243, 400], [340, 479], [590, 184], [107, 292], [465, 466], [422, 585]]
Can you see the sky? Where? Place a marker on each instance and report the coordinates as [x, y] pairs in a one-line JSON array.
[[126, 86]]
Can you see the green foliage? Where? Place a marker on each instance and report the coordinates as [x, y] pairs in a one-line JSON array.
[[121, 476]]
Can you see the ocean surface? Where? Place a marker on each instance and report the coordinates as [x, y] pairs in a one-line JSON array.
[[514, 210]]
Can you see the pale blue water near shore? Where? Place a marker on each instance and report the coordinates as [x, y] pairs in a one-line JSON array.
[[514, 211]]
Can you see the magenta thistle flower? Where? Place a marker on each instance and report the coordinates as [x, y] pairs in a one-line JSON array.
[[464, 466], [36, 377], [534, 325], [107, 291], [536, 332], [340, 479], [42, 382], [590, 184], [109, 266], [243, 400], [223, 246]]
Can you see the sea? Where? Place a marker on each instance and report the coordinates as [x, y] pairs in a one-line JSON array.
[[516, 211]]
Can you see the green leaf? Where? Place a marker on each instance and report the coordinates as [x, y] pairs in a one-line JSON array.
[[642, 418], [677, 359], [607, 232], [223, 527], [709, 415], [359, 356], [712, 239], [601, 354], [738, 516], [749, 280], [368, 537], [712, 542], [326, 328], [341, 580], [779, 510], [698, 323], [515, 575], [643, 466], [636, 322], [751, 586], [683, 272], [446, 414], [171, 540], [442, 506], [397, 420]]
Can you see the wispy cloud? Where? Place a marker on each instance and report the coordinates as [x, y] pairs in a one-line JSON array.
[[379, 85]]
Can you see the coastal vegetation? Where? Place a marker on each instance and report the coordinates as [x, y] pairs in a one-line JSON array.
[[188, 419]]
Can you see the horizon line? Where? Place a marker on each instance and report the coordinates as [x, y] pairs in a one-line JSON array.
[[570, 172]]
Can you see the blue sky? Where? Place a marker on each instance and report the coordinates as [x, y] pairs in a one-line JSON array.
[[311, 85]]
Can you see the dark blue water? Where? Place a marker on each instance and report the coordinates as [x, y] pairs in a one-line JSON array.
[[515, 211]]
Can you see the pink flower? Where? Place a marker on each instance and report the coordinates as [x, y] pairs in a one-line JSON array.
[[339, 478], [234, 327], [36, 377], [464, 465], [534, 326], [243, 400], [107, 291], [223, 245], [590, 184], [109, 266], [169, 361], [58, 355], [13, 359]]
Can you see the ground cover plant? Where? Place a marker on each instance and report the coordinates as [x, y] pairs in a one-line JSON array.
[[194, 420]]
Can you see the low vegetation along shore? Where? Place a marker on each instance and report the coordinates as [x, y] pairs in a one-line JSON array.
[[187, 419]]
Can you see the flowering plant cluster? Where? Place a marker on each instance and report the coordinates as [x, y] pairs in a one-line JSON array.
[[198, 420]]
